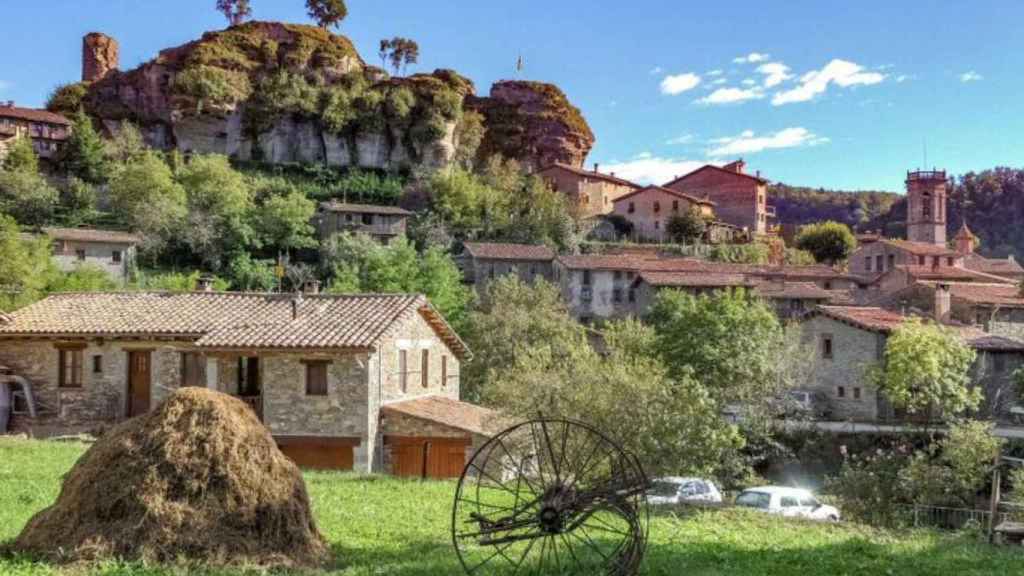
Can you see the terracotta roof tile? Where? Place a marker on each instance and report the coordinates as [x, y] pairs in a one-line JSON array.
[[588, 174], [33, 115], [92, 235], [1004, 295], [335, 206], [695, 280], [652, 263], [951, 273], [796, 290], [496, 251], [757, 179], [452, 413], [229, 319], [997, 266], [921, 248], [688, 197], [868, 318]]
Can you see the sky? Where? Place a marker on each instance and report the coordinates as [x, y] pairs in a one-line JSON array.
[[841, 95]]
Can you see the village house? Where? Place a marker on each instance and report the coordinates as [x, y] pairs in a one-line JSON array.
[[47, 130], [356, 382], [109, 250], [382, 223], [484, 261], [996, 308], [590, 191], [846, 343], [650, 209], [740, 199]]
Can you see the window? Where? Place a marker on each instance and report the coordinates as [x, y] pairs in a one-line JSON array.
[[856, 393], [193, 369], [657, 207], [617, 295], [490, 271], [80, 254], [790, 502], [70, 369], [920, 260], [115, 256], [926, 207], [826, 346], [316, 378], [403, 369], [892, 261], [879, 263], [97, 364], [249, 376], [828, 285], [657, 224], [632, 295], [425, 368], [675, 205], [935, 261], [841, 391], [632, 208], [617, 275], [586, 277], [444, 370], [949, 261], [368, 219], [348, 217], [998, 363], [867, 263]]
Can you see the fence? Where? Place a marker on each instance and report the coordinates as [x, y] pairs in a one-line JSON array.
[[957, 518]]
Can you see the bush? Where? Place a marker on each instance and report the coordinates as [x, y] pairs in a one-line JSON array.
[[212, 87]]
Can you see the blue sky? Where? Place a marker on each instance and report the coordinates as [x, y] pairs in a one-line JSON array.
[[837, 95]]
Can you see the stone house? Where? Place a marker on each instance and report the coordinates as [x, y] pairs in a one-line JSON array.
[[485, 261], [650, 209], [740, 199], [47, 130], [849, 342], [382, 223], [591, 191], [877, 258], [998, 309], [109, 250], [321, 371]]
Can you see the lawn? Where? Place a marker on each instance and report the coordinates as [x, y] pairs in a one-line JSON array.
[[379, 526]]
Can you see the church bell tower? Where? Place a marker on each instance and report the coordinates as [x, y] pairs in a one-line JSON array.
[[926, 207]]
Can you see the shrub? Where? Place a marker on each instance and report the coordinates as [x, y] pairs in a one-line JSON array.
[[212, 87]]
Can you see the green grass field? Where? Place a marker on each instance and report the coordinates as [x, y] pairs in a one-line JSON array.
[[384, 526]]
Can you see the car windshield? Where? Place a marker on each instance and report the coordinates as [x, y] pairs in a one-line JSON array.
[[663, 488], [752, 499]]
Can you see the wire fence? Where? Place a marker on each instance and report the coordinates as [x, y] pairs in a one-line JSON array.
[[959, 518]]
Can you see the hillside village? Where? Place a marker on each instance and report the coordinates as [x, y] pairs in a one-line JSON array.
[[389, 269]]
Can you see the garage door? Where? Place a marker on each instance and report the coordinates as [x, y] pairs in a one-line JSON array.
[[427, 457], [323, 454]]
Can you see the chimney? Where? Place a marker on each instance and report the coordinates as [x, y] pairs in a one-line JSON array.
[[311, 287], [942, 303], [296, 304], [596, 166], [204, 283]]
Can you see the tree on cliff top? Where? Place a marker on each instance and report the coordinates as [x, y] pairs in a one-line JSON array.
[[400, 52], [236, 11], [327, 13]]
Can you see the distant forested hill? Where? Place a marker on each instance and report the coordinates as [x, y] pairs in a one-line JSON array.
[[992, 202]]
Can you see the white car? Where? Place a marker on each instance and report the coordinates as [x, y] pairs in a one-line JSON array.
[[790, 502], [677, 490]]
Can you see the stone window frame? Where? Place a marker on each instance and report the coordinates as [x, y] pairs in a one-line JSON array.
[[857, 393], [70, 357], [97, 363], [828, 346], [317, 377]]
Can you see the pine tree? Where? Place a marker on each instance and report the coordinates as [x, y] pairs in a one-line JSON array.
[[83, 155]]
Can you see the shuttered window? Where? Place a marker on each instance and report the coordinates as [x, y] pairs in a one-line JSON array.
[[403, 369], [316, 378], [425, 368], [70, 369], [444, 371], [193, 369]]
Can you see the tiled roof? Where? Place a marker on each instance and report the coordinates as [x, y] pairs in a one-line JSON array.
[[757, 179], [652, 263], [229, 319], [997, 266], [92, 235], [796, 290], [920, 248], [951, 273], [688, 197], [1004, 295], [452, 413], [495, 251], [33, 115], [588, 174], [868, 318], [992, 343], [695, 280], [335, 206]]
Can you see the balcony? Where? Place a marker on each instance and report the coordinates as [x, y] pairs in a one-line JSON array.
[[926, 175]]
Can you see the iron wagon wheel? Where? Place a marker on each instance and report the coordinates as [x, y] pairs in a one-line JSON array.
[[551, 497]]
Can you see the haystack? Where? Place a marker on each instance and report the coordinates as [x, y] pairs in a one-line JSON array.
[[197, 479]]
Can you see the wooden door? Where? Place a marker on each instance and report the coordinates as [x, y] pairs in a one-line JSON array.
[[139, 383], [445, 459], [428, 457], [409, 459], [319, 455]]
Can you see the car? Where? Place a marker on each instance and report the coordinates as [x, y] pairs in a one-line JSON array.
[[678, 490], [789, 502]]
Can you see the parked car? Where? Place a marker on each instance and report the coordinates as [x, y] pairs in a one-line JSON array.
[[676, 490], [790, 502], [803, 403]]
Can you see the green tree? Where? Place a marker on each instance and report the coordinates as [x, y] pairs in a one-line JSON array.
[[687, 227], [219, 206], [125, 147], [953, 471], [236, 11], [327, 13], [830, 242], [67, 99], [21, 157], [84, 278], [250, 275], [400, 52], [28, 197], [927, 367], [730, 340], [469, 133], [25, 266], [283, 221], [78, 199], [144, 195], [83, 154], [177, 282]]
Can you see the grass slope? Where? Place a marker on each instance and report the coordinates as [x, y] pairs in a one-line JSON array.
[[379, 525]]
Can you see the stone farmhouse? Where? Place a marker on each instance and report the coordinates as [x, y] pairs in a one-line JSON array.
[[649, 210], [47, 130], [109, 250], [382, 223], [740, 199], [482, 262], [357, 382], [846, 342], [591, 191]]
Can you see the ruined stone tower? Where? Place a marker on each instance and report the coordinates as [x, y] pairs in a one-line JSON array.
[[926, 207], [100, 55]]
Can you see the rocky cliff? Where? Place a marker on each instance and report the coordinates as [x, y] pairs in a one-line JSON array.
[[280, 93]]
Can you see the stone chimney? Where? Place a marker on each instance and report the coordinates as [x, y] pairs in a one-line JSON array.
[[311, 287], [296, 304], [204, 284], [596, 166], [100, 55], [942, 303]]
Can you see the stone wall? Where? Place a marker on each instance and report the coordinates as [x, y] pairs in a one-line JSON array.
[[854, 352], [606, 296], [481, 271], [739, 200], [650, 212], [98, 254]]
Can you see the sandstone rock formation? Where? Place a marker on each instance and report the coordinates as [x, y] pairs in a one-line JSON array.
[[100, 56]]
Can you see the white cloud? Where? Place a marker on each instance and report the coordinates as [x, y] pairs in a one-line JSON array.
[[775, 73], [679, 83], [716, 72], [648, 169], [684, 139], [752, 58], [731, 96], [971, 76], [840, 72], [719, 81], [656, 70], [748, 142], [903, 78], [748, 82]]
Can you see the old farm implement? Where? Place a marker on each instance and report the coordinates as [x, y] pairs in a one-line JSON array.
[[551, 497]]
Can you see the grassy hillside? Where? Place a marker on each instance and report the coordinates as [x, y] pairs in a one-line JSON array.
[[381, 525]]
